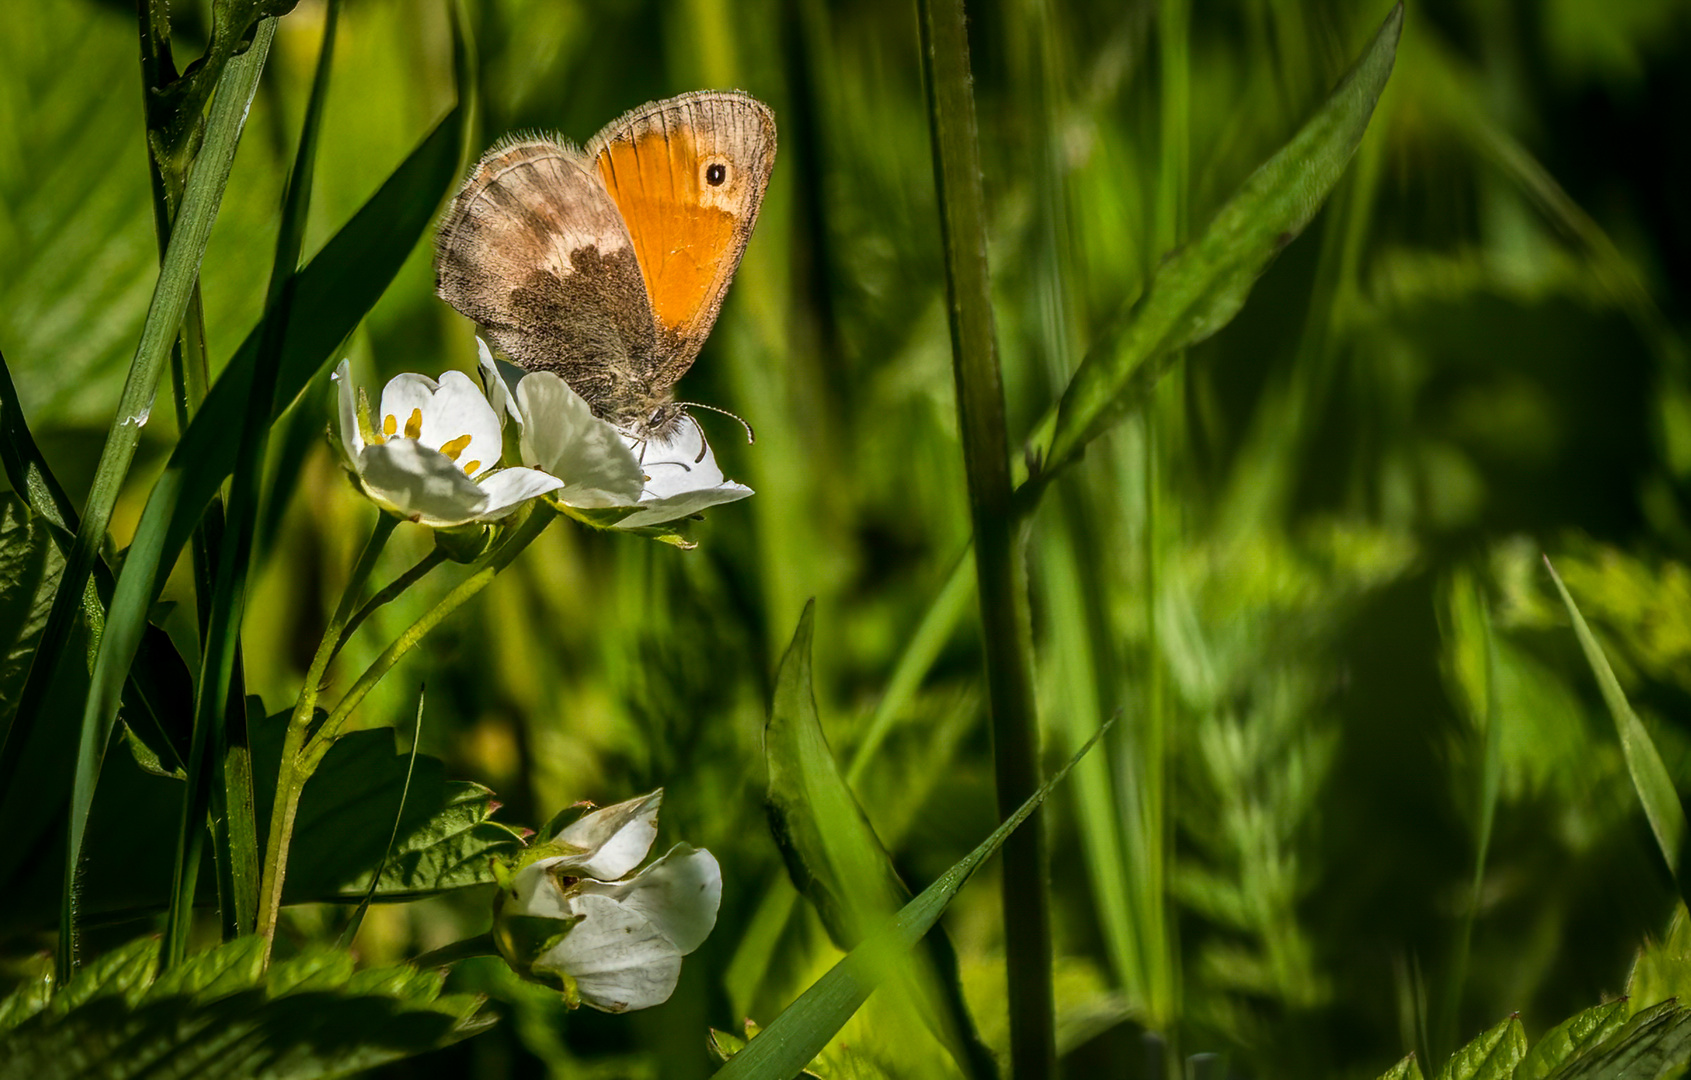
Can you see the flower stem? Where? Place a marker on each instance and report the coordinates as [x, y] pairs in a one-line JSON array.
[[290, 781], [434, 558], [536, 522], [480, 945], [999, 537]]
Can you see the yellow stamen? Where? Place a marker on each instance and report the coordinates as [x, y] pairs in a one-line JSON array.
[[389, 426], [414, 426], [471, 468], [455, 447]]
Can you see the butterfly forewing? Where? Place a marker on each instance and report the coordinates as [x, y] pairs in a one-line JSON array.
[[688, 175]]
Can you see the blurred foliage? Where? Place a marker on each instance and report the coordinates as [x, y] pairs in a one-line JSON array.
[[1475, 354]]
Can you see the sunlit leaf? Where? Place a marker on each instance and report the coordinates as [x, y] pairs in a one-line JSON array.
[[1570, 1039], [834, 856], [1650, 778], [795, 1037], [1203, 285], [1491, 1056]]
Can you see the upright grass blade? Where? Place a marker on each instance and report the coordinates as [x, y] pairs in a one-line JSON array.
[[795, 1037], [1650, 777], [177, 275], [1203, 285], [181, 266], [998, 564], [215, 713]]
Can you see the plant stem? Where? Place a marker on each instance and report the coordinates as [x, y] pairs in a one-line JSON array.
[[999, 569], [532, 526], [434, 558], [289, 780], [480, 945]]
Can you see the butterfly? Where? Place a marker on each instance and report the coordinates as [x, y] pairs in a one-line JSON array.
[[608, 264]]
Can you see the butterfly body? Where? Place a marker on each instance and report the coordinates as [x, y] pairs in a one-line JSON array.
[[608, 264]]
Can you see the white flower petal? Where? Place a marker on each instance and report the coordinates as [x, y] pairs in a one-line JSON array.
[[682, 478], [404, 401], [680, 463], [500, 393], [618, 959], [352, 440], [679, 894], [614, 839], [418, 483], [508, 488], [658, 511], [535, 893], [457, 409], [562, 436]]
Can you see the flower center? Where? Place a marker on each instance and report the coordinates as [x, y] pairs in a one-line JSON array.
[[452, 448]]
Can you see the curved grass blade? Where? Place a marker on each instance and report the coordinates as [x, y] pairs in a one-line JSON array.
[[334, 292], [214, 713], [181, 266], [837, 861], [1202, 286], [795, 1037], [1650, 777], [177, 274]]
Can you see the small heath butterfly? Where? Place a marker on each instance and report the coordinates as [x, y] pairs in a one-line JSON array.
[[608, 264]]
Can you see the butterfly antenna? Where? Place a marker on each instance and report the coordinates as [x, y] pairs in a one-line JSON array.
[[751, 438]]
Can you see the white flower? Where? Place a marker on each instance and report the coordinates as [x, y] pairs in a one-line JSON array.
[[431, 453], [603, 466], [565, 919]]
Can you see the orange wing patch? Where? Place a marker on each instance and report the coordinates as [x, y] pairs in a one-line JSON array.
[[680, 242]]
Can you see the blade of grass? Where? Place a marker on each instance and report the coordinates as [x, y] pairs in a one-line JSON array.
[[1203, 285], [795, 1037], [1478, 614], [1650, 777], [998, 538], [215, 713], [839, 863], [334, 291], [357, 920], [200, 202]]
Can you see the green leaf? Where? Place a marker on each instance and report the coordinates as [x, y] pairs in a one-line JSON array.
[[788, 1044], [1567, 1041], [1653, 1042], [25, 565], [834, 857], [219, 1015], [443, 840], [1492, 1056], [1202, 286], [1407, 1069], [1650, 776]]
